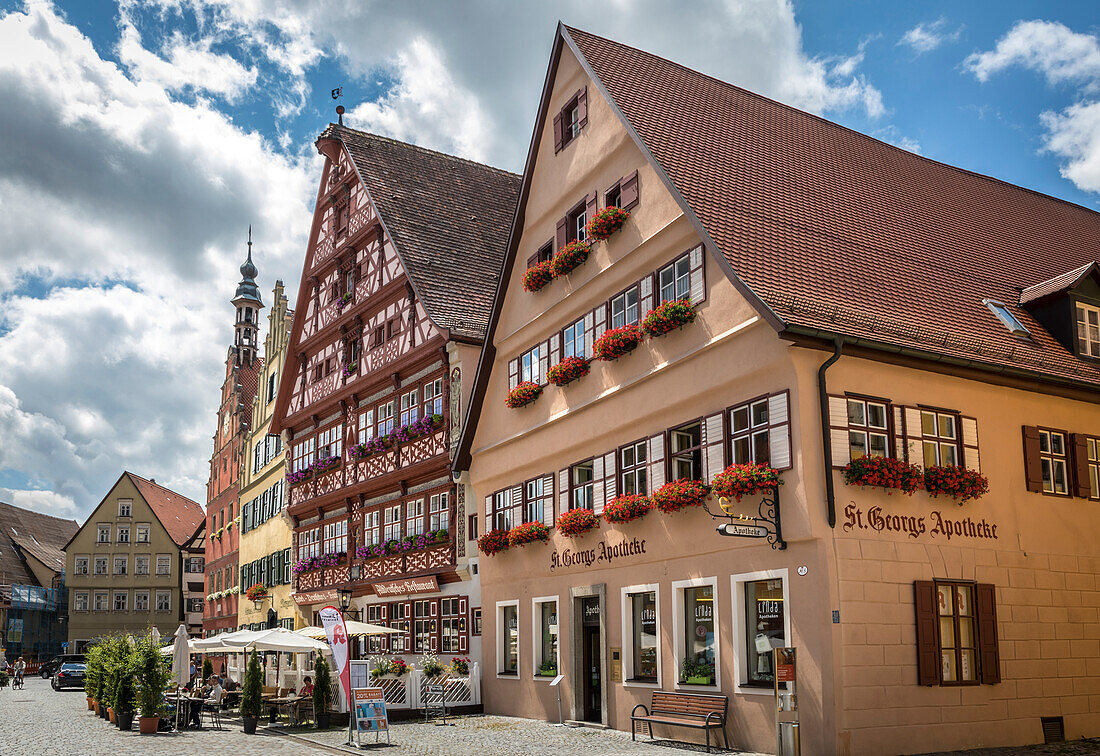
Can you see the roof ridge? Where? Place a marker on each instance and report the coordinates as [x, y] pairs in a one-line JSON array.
[[163, 488], [427, 150], [834, 124]]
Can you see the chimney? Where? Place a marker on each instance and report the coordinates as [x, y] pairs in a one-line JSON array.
[[152, 480]]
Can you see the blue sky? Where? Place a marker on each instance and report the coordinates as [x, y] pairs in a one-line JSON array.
[[142, 137]]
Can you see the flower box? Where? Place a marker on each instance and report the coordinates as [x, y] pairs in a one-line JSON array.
[[568, 370], [569, 257], [617, 342], [668, 316], [522, 395], [326, 464], [606, 222], [493, 542], [350, 369], [577, 522], [626, 508], [257, 592], [884, 472], [699, 680], [548, 673], [293, 478], [370, 552], [528, 532], [677, 494], [745, 479], [960, 483], [343, 302], [310, 564], [537, 276]]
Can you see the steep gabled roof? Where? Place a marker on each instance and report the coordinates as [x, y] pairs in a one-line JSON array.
[[179, 515], [41, 535], [448, 218]]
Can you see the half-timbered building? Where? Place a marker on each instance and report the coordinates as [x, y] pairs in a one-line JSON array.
[[403, 255]]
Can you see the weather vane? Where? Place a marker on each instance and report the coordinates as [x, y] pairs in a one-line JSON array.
[[336, 95]]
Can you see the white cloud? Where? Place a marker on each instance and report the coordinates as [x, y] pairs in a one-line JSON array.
[[925, 37], [46, 502], [891, 134], [1048, 47], [1074, 134]]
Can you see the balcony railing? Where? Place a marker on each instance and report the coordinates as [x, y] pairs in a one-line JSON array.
[[381, 568]]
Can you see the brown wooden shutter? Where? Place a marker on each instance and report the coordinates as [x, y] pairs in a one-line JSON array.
[[582, 107], [713, 440], [928, 655], [513, 374], [532, 260], [598, 474], [563, 491], [838, 430], [562, 235], [970, 456], [590, 206], [697, 276], [557, 133], [1081, 479], [1033, 468], [548, 493], [988, 651], [779, 430], [628, 191]]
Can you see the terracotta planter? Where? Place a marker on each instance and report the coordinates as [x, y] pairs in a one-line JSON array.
[[148, 725], [110, 715], [91, 704]]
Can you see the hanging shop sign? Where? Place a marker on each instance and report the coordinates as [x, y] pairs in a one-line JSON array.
[[603, 552], [932, 526], [407, 587], [766, 523]]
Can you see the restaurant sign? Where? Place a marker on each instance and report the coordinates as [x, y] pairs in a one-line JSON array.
[[407, 587], [603, 552], [315, 597], [935, 525]]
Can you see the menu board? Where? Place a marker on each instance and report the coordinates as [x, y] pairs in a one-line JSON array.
[[370, 711]]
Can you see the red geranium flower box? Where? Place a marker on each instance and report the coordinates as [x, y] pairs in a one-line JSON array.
[[577, 522], [960, 483], [668, 316], [745, 480], [537, 276], [626, 508], [568, 370], [677, 494], [493, 542], [606, 222], [523, 394], [569, 257], [528, 532], [617, 342], [884, 472]]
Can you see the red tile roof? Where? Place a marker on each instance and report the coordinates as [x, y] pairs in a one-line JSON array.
[[1057, 284], [39, 534], [835, 232], [179, 515]]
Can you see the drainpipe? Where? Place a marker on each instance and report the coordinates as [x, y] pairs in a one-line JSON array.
[[826, 438]]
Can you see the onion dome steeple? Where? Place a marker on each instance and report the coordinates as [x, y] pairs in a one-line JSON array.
[[248, 303]]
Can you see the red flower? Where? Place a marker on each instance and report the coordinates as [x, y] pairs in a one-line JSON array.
[[677, 494], [577, 522], [528, 532], [569, 257], [606, 222], [958, 482], [616, 342], [884, 472], [522, 395], [493, 542], [626, 508], [537, 276], [568, 370], [668, 316], [745, 480]]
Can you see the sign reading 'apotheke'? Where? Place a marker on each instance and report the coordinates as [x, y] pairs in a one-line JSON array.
[[934, 525], [602, 553]]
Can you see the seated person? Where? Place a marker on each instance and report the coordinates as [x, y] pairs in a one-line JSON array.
[[215, 692], [307, 687]]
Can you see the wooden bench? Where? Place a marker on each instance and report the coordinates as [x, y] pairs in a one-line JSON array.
[[699, 711]]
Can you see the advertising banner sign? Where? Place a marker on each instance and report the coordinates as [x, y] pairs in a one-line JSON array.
[[337, 634]]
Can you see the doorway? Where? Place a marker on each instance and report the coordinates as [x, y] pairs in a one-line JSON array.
[[591, 682]]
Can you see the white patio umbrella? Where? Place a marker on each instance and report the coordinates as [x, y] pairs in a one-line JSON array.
[[181, 657], [282, 640], [355, 629]]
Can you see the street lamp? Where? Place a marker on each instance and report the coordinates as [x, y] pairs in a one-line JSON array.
[[345, 599]]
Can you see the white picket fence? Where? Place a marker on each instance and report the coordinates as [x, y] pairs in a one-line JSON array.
[[408, 691]]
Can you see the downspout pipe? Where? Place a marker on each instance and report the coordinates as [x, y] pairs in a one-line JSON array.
[[826, 437]]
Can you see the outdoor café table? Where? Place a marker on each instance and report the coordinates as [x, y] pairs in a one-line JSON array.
[[290, 704], [192, 704]]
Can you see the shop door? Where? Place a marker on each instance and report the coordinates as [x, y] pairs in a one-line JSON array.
[[590, 684]]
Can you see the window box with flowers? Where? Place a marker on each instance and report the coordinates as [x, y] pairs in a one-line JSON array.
[[294, 478], [309, 564], [745, 479], [606, 222], [626, 508], [326, 464], [960, 483], [493, 542], [370, 447], [884, 472], [677, 494], [537, 276], [257, 592], [350, 369], [370, 552], [668, 316], [523, 394], [571, 256], [568, 370], [528, 532], [343, 302], [577, 522], [617, 342]]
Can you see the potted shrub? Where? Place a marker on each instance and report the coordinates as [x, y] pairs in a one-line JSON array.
[[884, 472], [960, 483], [251, 702], [626, 508], [5, 680], [537, 276], [677, 494], [577, 522], [548, 669], [493, 542], [528, 532], [125, 694], [256, 592], [152, 676], [668, 316], [617, 342], [92, 670], [430, 666], [605, 222], [745, 479], [569, 257], [523, 394], [693, 672], [322, 694], [343, 302], [568, 370], [207, 669]]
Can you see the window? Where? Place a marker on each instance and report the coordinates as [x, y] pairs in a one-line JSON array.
[[868, 430], [765, 629], [749, 438], [410, 409], [640, 658], [433, 397], [471, 527], [309, 543], [125, 506], [141, 565], [572, 340], [372, 528], [164, 564], [685, 448], [508, 638], [271, 386], [194, 605], [399, 620], [101, 601], [614, 196], [164, 601], [529, 366], [674, 280], [393, 327], [423, 627], [414, 517], [336, 538], [1008, 320], [366, 426], [545, 254], [1093, 455], [330, 441], [194, 564], [452, 625], [475, 621], [939, 431], [120, 601], [1052, 457], [957, 636], [143, 534], [302, 456], [1088, 330], [101, 565], [103, 534], [80, 601], [120, 565], [632, 469], [123, 534], [537, 499], [80, 567], [385, 418], [624, 308], [505, 514], [581, 476], [696, 631], [438, 511], [392, 529], [141, 601], [545, 618]]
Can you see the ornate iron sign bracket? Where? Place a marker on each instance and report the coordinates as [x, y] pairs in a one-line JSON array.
[[766, 524]]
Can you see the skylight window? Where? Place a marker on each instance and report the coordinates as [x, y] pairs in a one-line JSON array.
[[1008, 320]]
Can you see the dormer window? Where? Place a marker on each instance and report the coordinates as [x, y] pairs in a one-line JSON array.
[[1008, 320], [1088, 329]]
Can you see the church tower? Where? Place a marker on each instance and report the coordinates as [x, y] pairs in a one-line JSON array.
[[248, 303]]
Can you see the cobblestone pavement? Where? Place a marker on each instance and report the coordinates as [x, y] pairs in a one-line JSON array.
[[1089, 747]]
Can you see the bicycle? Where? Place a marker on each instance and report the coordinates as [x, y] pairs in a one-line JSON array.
[[18, 683]]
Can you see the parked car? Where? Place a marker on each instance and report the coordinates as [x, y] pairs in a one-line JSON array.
[[49, 669], [71, 675]]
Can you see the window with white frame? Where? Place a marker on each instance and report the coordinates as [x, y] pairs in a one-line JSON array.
[[80, 565], [302, 455], [410, 407], [80, 601], [641, 638], [537, 499], [103, 534], [123, 535], [414, 517], [624, 308], [940, 437], [336, 538], [330, 441], [433, 397], [505, 514], [101, 565], [141, 601], [695, 627], [581, 476], [685, 452], [386, 412], [439, 511], [1088, 329], [399, 620], [121, 563], [366, 426], [195, 564], [546, 658], [761, 623], [125, 507], [1054, 461], [572, 340], [424, 627], [309, 543], [529, 368], [508, 638], [141, 565], [868, 428], [674, 280], [452, 625], [142, 533], [120, 601], [164, 564], [391, 530], [164, 601], [632, 469], [100, 604], [749, 432], [376, 615], [372, 528]]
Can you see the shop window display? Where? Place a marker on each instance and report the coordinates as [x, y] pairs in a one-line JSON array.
[[643, 608], [764, 624], [698, 663]]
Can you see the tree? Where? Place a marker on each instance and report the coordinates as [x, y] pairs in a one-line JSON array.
[[251, 702], [207, 669], [322, 687]]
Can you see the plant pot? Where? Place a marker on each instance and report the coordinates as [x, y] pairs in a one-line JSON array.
[[551, 673], [323, 720], [125, 720], [91, 704], [250, 725], [103, 711], [148, 725], [110, 715], [699, 680]]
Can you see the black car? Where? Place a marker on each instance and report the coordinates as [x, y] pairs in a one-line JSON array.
[[49, 669], [71, 675]]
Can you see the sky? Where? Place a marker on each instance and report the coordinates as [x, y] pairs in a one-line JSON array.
[[139, 139]]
